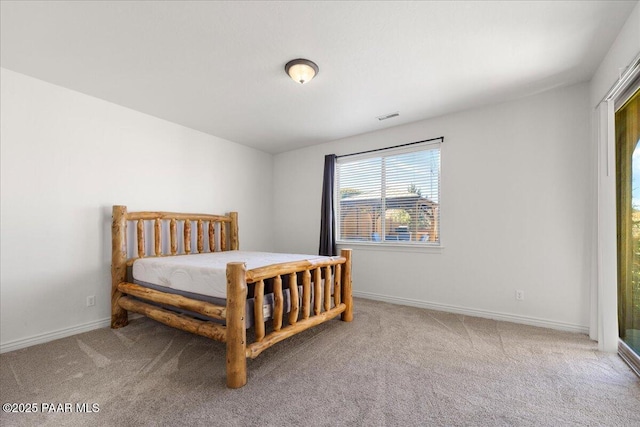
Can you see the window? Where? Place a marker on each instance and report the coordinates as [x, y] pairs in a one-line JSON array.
[[390, 198], [628, 225]]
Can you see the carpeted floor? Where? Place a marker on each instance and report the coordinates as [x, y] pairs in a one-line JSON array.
[[392, 366]]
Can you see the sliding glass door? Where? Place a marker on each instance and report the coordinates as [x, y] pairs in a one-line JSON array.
[[628, 226]]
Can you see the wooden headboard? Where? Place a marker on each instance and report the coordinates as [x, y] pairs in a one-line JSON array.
[[225, 225], [222, 231]]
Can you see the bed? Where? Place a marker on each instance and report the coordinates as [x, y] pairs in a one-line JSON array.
[[276, 296]]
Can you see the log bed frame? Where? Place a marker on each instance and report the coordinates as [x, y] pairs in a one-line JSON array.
[[126, 296]]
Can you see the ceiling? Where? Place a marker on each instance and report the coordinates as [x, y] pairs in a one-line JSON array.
[[218, 67]]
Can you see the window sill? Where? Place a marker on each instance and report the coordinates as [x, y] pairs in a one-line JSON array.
[[391, 247]]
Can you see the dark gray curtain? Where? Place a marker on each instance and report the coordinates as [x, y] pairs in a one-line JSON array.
[[327, 217]]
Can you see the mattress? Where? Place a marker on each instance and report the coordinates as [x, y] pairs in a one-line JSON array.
[[204, 274]]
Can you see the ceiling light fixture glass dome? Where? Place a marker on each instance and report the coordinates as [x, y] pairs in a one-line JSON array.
[[301, 70]]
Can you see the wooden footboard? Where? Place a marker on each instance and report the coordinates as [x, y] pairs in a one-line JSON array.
[[327, 282]]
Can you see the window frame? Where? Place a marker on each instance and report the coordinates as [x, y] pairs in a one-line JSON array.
[[398, 245]]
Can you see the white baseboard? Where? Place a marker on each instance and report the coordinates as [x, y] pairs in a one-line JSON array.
[[54, 335], [514, 318], [525, 320]]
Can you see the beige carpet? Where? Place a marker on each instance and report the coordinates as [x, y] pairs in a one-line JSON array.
[[392, 366]]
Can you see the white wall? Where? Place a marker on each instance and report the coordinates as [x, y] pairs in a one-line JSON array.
[[518, 202], [66, 159], [624, 49], [517, 212]]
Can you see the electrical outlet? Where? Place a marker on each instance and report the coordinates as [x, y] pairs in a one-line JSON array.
[[91, 301], [520, 295]]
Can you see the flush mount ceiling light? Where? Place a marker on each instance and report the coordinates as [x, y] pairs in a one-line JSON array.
[[301, 70]]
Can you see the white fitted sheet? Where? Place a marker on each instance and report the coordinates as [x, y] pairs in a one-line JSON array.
[[204, 274]]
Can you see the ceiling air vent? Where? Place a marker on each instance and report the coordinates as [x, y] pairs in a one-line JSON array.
[[388, 116]]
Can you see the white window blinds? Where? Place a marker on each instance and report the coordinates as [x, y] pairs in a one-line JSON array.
[[390, 196]]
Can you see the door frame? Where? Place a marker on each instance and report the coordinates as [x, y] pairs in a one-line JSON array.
[[604, 294]]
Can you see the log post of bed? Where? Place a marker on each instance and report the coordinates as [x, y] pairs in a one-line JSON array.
[[235, 243], [347, 297], [236, 332], [119, 316]]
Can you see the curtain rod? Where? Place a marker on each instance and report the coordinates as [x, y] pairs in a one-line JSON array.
[[441, 138]]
